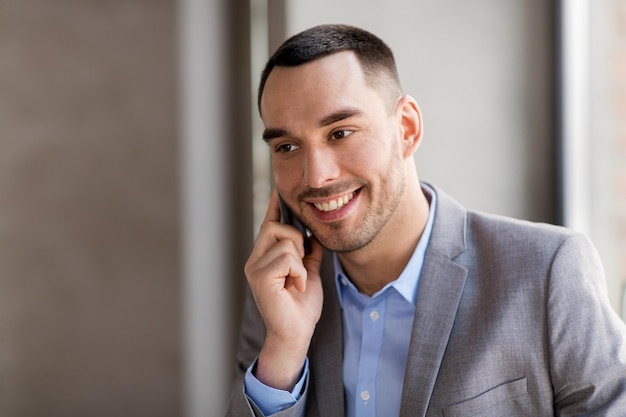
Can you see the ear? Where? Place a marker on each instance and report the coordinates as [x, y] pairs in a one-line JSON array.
[[411, 123]]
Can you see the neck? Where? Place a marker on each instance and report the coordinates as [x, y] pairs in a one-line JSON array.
[[383, 260]]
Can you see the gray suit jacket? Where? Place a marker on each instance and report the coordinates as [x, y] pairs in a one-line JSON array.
[[511, 319]]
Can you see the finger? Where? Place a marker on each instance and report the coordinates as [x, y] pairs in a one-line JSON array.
[[288, 283], [282, 247], [280, 261], [273, 208], [287, 265], [286, 271], [271, 234], [312, 263]]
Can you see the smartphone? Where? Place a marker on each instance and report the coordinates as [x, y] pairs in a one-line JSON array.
[[287, 217]]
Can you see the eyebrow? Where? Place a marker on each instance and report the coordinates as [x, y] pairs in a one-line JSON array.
[[273, 133], [277, 132], [339, 115]]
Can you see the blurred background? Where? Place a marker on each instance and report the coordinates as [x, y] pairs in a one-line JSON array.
[[133, 176]]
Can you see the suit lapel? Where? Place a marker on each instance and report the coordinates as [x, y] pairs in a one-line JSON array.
[[327, 350], [441, 286], [439, 293]]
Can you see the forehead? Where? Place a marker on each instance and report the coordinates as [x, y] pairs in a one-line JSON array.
[[316, 88]]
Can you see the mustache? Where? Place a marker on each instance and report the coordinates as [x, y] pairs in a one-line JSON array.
[[334, 189]]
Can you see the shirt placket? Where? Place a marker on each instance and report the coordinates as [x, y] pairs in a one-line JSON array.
[[373, 319]]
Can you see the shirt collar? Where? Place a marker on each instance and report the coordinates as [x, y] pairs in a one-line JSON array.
[[407, 283]]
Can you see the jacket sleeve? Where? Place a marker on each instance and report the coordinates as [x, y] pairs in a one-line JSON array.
[[251, 338], [587, 338]]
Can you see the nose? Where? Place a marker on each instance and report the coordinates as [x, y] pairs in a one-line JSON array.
[[321, 166]]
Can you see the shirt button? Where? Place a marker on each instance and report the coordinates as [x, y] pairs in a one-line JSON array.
[[344, 281], [374, 315], [365, 395]]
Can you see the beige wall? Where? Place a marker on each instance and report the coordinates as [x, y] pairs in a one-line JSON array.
[[89, 228]]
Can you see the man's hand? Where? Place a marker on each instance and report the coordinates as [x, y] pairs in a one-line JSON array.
[[288, 291]]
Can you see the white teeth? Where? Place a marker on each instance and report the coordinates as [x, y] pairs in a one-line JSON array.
[[333, 205]]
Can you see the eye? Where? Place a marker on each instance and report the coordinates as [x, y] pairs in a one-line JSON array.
[[341, 134], [286, 147]]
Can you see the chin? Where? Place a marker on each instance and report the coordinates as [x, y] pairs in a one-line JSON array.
[[341, 245]]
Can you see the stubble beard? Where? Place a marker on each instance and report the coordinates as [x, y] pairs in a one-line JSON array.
[[338, 238]]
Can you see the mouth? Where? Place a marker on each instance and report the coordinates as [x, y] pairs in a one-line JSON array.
[[335, 204]]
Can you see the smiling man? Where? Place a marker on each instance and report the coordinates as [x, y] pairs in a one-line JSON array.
[[407, 304]]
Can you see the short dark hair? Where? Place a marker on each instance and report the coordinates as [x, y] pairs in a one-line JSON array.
[[373, 54]]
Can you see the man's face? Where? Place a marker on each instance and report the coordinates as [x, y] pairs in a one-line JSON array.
[[336, 149]]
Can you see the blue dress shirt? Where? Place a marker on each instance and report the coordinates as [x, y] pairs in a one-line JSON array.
[[376, 337]]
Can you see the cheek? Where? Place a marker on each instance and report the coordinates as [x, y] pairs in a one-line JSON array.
[[369, 157], [286, 174]]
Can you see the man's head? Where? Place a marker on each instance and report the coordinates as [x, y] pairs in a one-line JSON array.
[[374, 56], [341, 136]]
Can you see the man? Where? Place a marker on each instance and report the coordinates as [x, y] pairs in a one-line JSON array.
[[407, 304]]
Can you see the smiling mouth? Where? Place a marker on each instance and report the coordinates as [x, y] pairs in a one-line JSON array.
[[333, 205]]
